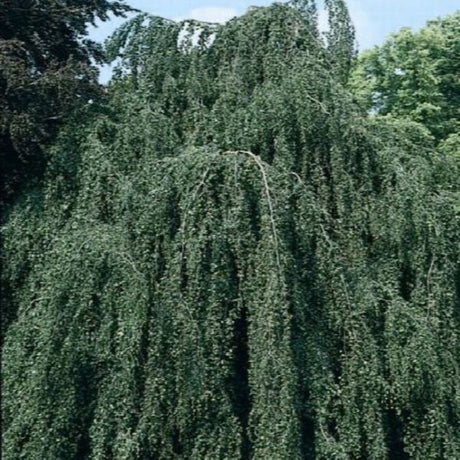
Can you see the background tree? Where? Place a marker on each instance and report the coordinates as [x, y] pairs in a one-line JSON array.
[[46, 73], [415, 75]]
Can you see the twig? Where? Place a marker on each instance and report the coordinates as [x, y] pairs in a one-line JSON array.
[[257, 159]]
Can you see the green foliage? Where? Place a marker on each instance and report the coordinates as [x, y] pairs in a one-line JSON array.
[[415, 75], [229, 261], [45, 75]]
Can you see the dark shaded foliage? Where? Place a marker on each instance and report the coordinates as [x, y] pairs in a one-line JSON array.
[[45, 76]]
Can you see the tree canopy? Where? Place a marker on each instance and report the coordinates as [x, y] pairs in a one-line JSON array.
[[45, 75], [415, 75], [227, 259]]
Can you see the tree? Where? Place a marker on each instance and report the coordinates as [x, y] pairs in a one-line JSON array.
[[230, 261], [415, 75], [46, 73]]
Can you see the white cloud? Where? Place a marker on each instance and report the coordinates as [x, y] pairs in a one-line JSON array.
[[211, 14], [187, 37], [323, 21]]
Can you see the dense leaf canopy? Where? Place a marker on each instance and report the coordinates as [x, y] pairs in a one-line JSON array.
[[415, 75], [229, 260], [45, 76]]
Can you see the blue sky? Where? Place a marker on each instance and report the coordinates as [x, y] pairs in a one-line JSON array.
[[374, 20]]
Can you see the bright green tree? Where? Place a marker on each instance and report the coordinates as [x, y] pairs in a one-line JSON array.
[[415, 75]]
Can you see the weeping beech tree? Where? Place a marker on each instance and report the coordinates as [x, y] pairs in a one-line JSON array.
[[229, 260]]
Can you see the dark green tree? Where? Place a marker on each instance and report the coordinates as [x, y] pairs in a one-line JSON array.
[[46, 73], [230, 261]]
